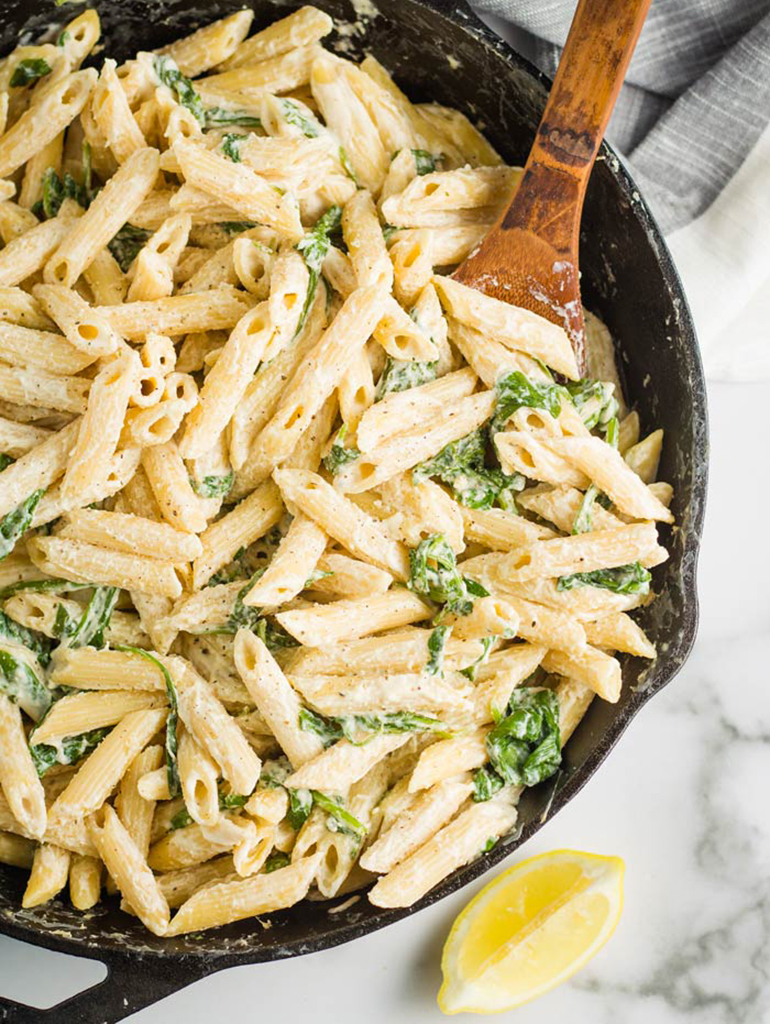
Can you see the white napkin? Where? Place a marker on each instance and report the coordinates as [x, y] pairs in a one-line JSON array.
[[723, 257]]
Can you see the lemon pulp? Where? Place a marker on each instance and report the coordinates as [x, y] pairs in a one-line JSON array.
[[530, 929]]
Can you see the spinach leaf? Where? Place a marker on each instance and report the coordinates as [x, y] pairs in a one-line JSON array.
[[30, 70], [38, 643], [348, 167], [276, 861], [327, 729], [338, 820], [486, 782], [227, 802], [625, 579], [403, 374], [86, 162], [474, 588], [95, 619], [229, 574], [234, 227], [388, 231], [338, 455], [71, 750], [20, 682], [434, 574], [172, 722], [64, 624], [216, 117], [462, 465], [169, 75], [56, 189], [293, 115], [471, 671], [612, 435], [125, 245], [182, 819], [301, 801], [213, 486], [42, 586], [242, 615], [17, 522], [274, 636], [361, 729], [594, 400], [231, 146], [300, 806], [524, 748], [53, 195], [314, 247], [482, 488], [436, 650], [62, 38], [5, 461], [585, 516], [424, 162], [516, 391], [459, 457]]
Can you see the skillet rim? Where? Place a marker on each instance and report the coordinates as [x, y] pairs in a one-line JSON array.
[[193, 964]]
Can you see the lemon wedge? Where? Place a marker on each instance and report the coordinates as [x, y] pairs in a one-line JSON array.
[[529, 930]]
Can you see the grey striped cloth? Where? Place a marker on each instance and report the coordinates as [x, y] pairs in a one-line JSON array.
[[696, 98]]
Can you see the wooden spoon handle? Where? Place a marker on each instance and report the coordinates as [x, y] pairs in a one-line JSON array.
[[591, 71]]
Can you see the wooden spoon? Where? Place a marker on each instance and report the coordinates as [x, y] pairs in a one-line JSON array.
[[530, 257]]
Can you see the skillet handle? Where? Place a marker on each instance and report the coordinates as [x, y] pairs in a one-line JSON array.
[[130, 985]]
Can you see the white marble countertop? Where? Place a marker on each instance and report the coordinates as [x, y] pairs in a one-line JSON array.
[[682, 798]]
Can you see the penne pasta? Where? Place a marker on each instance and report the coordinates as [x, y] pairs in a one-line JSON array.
[[45, 119], [337, 768], [80, 712], [107, 214], [101, 424], [87, 563], [49, 874], [211, 45], [209, 722], [322, 371], [223, 902], [450, 848], [274, 697], [512, 326], [127, 532], [18, 776], [300, 28], [342, 520], [102, 770], [129, 869]]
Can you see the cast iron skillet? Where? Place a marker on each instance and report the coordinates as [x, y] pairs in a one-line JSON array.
[[436, 49]]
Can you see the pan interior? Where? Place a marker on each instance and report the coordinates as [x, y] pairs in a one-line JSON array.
[[627, 278]]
